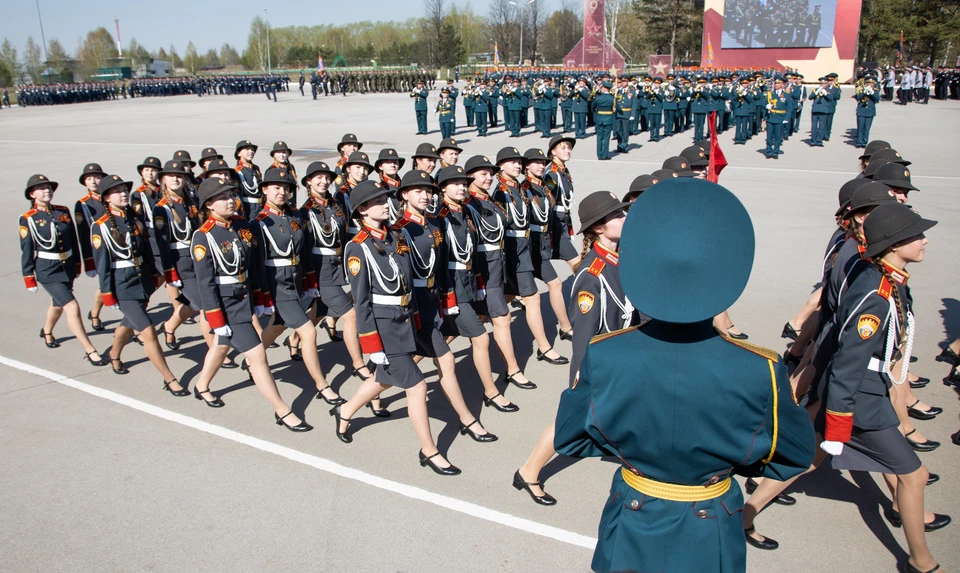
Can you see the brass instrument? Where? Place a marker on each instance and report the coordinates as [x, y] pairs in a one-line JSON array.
[[670, 93], [593, 93]]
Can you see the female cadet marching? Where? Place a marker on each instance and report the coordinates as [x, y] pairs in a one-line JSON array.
[[356, 169], [515, 204], [50, 257], [144, 198], [128, 276], [459, 300], [87, 210], [490, 221], [423, 234], [598, 305], [875, 330], [559, 183], [284, 261], [248, 176], [673, 506], [229, 280], [379, 270], [388, 167], [281, 153], [175, 218]]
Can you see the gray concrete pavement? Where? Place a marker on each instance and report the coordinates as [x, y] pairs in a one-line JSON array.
[[93, 485]]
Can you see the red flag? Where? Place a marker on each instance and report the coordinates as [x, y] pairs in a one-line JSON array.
[[717, 159]]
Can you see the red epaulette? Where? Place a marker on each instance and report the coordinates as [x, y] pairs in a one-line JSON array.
[[596, 267], [239, 167], [308, 204], [261, 215], [30, 213], [83, 199], [554, 168], [443, 212], [141, 188], [238, 218], [162, 202], [400, 224], [885, 289], [360, 237], [209, 224], [104, 218]]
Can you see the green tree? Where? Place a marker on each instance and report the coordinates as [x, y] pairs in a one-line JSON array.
[[96, 51], [211, 58], [668, 23], [8, 57], [174, 58], [229, 55], [138, 54], [33, 60], [561, 32], [190, 59]]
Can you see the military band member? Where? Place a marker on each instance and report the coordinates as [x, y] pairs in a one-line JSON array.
[[248, 179], [776, 105], [419, 95], [741, 101], [50, 257], [700, 102], [86, 212], [822, 97], [654, 109], [481, 97], [378, 263], [867, 98], [581, 108], [445, 109], [128, 276], [625, 110], [602, 108]]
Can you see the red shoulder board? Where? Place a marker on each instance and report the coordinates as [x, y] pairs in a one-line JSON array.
[[142, 187], [207, 226], [554, 168], [400, 224], [84, 199], [443, 212], [360, 237], [103, 219], [30, 213], [262, 215], [596, 267], [238, 218], [239, 167], [162, 202], [885, 289]]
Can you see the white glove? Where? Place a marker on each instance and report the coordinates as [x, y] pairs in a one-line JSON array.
[[832, 448], [769, 106], [91, 273], [451, 311], [268, 310], [115, 306], [632, 118], [177, 284], [481, 293], [258, 310], [32, 289], [224, 331], [379, 358], [312, 293]]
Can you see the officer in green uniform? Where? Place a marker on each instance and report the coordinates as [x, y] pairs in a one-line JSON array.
[[777, 106], [602, 106], [867, 99], [420, 107], [446, 110], [673, 507]]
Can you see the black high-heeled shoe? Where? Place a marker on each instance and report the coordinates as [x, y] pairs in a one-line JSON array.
[[301, 427], [175, 345], [121, 370], [932, 478], [215, 403], [95, 322], [102, 362], [189, 320], [488, 437], [767, 543], [298, 357], [136, 338], [560, 360], [450, 470], [332, 333], [781, 499], [381, 413], [925, 446], [740, 336], [919, 414], [545, 499], [229, 365], [908, 568], [44, 336], [920, 382], [511, 407], [356, 372], [334, 402], [518, 304], [178, 393], [949, 356], [522, 385], [566, 335], [345, 437], [789, 332], [939, 520]]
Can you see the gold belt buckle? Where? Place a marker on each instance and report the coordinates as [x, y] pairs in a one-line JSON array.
[[430, 282], [137, 261], [469, 265], [242, 277], [405, 300], [526, 233], [294, 260], [64, 256]]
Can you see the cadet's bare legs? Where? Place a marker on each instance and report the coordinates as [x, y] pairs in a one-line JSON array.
[[151, 345], [451, 387], [555, 290], [535, 324], [504, 340], [481, 361], [541, 454], [307, 336], [74, 322], [910, 502]]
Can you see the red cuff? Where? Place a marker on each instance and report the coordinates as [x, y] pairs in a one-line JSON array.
[[257, 298], [448, 300], [215, 318], [79, 268], [480, 282], [839, 426], [157, 281], [30, 282], [89, 264], [171, 276], [416, 321], [370, 342], [310, 281], [109, 299], [267, 300]]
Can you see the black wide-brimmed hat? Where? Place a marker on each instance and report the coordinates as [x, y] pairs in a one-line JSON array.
[[36, 180], [695, 156], [596, 206], [479, 162], [452, 173], [448, 143], [846, 193], [872, 146], [314, 168], [889, 156], [534, 154], [183, 156], [698, 274], [367, 191], [508, 154], [213, 186], [91, 169], [870, 195], [281, 146], [874, 166], [639, 185], [557, 140], [665, 174], [209, 153], [680, 165], [426, 150], [705, 145], [894, 175], [173, 167], [358, 158], [349, 138], [111, 182], [150, 162], [277, 176], [243, 145], [889, 224], [389, 154], [416, 178], [218, 165]]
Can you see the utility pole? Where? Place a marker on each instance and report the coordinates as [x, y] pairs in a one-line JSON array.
[[269, 65], [42, 37]]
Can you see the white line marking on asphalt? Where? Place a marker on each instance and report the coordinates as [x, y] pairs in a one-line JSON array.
[[321, 464]]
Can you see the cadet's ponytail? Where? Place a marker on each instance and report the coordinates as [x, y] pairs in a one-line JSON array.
[[894, 291], [589, 238]]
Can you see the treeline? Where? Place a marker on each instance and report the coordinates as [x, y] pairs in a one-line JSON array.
[[931, 31]]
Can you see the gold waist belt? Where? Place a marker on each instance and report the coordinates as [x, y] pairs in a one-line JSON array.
[[674, 492]]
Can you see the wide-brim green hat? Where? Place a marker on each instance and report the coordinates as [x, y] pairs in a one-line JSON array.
[[686, 251]]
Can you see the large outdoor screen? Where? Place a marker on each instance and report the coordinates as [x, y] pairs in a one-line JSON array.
[[778, 23]]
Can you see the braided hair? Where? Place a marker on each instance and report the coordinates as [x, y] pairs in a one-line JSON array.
[[589, 238], [895, 291], [128, 215], [182, 196]]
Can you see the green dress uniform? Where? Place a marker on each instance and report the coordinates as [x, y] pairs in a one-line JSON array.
[[624, 113], [777, 107], [867, 100], [603, 111], [691, 407], [446, 110], [419, 96]]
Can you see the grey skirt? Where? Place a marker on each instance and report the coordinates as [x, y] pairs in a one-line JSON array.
[[402, 372], [885, 451], [243, 339], [61, 293], [135, 315]]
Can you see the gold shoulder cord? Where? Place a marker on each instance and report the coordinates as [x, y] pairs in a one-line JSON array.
[[776, 400]]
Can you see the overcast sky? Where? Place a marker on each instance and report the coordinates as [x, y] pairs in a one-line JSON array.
[[207, 24]]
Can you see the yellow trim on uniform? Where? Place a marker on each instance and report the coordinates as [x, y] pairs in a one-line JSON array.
[[776, 401], [611, 334], [672, 491], [604, 112], [832, 413], [755, 348]]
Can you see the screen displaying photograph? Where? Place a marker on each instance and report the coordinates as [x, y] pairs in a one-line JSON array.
[[778, 23]]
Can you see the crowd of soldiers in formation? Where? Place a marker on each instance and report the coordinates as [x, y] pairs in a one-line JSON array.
[[787, 23]]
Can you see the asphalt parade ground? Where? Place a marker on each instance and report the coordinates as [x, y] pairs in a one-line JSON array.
[[108, 473]]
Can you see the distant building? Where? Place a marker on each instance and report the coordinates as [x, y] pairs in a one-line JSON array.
[[480, 58], [154, 68]]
